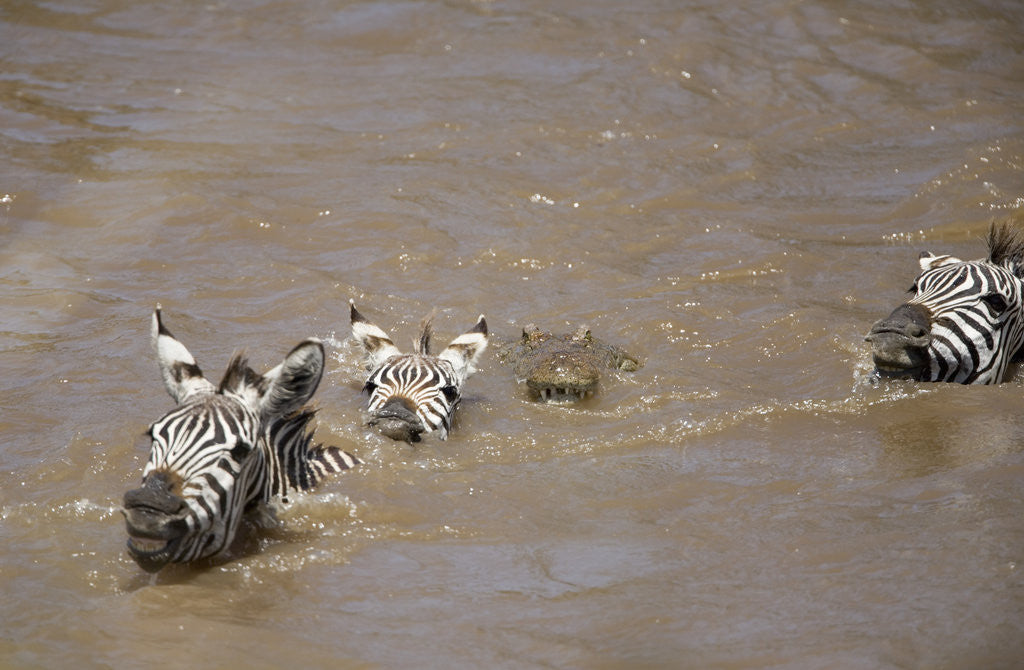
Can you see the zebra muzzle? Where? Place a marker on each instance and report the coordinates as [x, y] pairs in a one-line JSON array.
[[153, 538], [899, 342], [398, 420], [154, 520]]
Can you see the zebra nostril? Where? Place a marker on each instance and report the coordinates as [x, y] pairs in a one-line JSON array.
[[914, 330]]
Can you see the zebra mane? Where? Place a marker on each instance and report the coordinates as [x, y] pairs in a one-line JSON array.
[[238, 375], [422, 345], [1006, 246]]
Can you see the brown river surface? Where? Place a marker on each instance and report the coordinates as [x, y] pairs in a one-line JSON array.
[[734, 192]]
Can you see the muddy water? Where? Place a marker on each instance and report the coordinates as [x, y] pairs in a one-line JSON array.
[[734, 194]]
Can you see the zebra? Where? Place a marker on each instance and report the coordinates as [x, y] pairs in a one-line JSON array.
[[417, 393], [223, 451], [965, 321]]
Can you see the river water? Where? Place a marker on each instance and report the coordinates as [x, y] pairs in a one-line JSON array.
[[733, 192]]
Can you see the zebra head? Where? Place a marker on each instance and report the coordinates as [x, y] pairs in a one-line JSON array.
[[412, 394], [965, 322], [208, 459]]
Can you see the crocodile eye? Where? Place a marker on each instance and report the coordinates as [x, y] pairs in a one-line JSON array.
[[995, 302]]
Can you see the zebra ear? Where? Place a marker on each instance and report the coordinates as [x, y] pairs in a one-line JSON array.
[[291, 384], [465, 350], [182, 377], [375, 342], [927, 260]]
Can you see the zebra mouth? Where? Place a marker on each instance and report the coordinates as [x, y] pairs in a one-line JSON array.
[[151, 553], [895, 360], [146, 545], [896, 355], [899, 342], [153, 535], [898, 372], [398, 428], [398, 420], [153, 539]]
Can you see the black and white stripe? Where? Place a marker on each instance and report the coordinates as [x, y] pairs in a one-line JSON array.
[[977, 325], [223, 451], [300, 464], [429, 385], [418, 391]]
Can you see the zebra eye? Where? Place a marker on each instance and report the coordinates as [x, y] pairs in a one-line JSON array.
[[450, 393], [995, 302], [913, 289], [369, 388], [240, 450]]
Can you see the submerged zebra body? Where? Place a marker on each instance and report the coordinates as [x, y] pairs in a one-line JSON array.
[[223, 450], [417, 393], [965, 322]]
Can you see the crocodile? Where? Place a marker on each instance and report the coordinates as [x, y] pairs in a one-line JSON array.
[[563, 367]]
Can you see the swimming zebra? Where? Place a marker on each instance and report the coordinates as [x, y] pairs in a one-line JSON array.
[[965, 322], [412, 394], [223, 450]]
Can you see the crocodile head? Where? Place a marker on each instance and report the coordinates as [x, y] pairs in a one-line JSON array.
[[564, 367]]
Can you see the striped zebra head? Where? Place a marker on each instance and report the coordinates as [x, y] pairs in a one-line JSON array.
[[965, 321], [412, 394], [209, 456]]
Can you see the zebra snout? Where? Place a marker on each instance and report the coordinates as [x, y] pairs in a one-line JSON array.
[[398, 420], [910, 322], [154, 519], [899, 342], [155, 495]]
